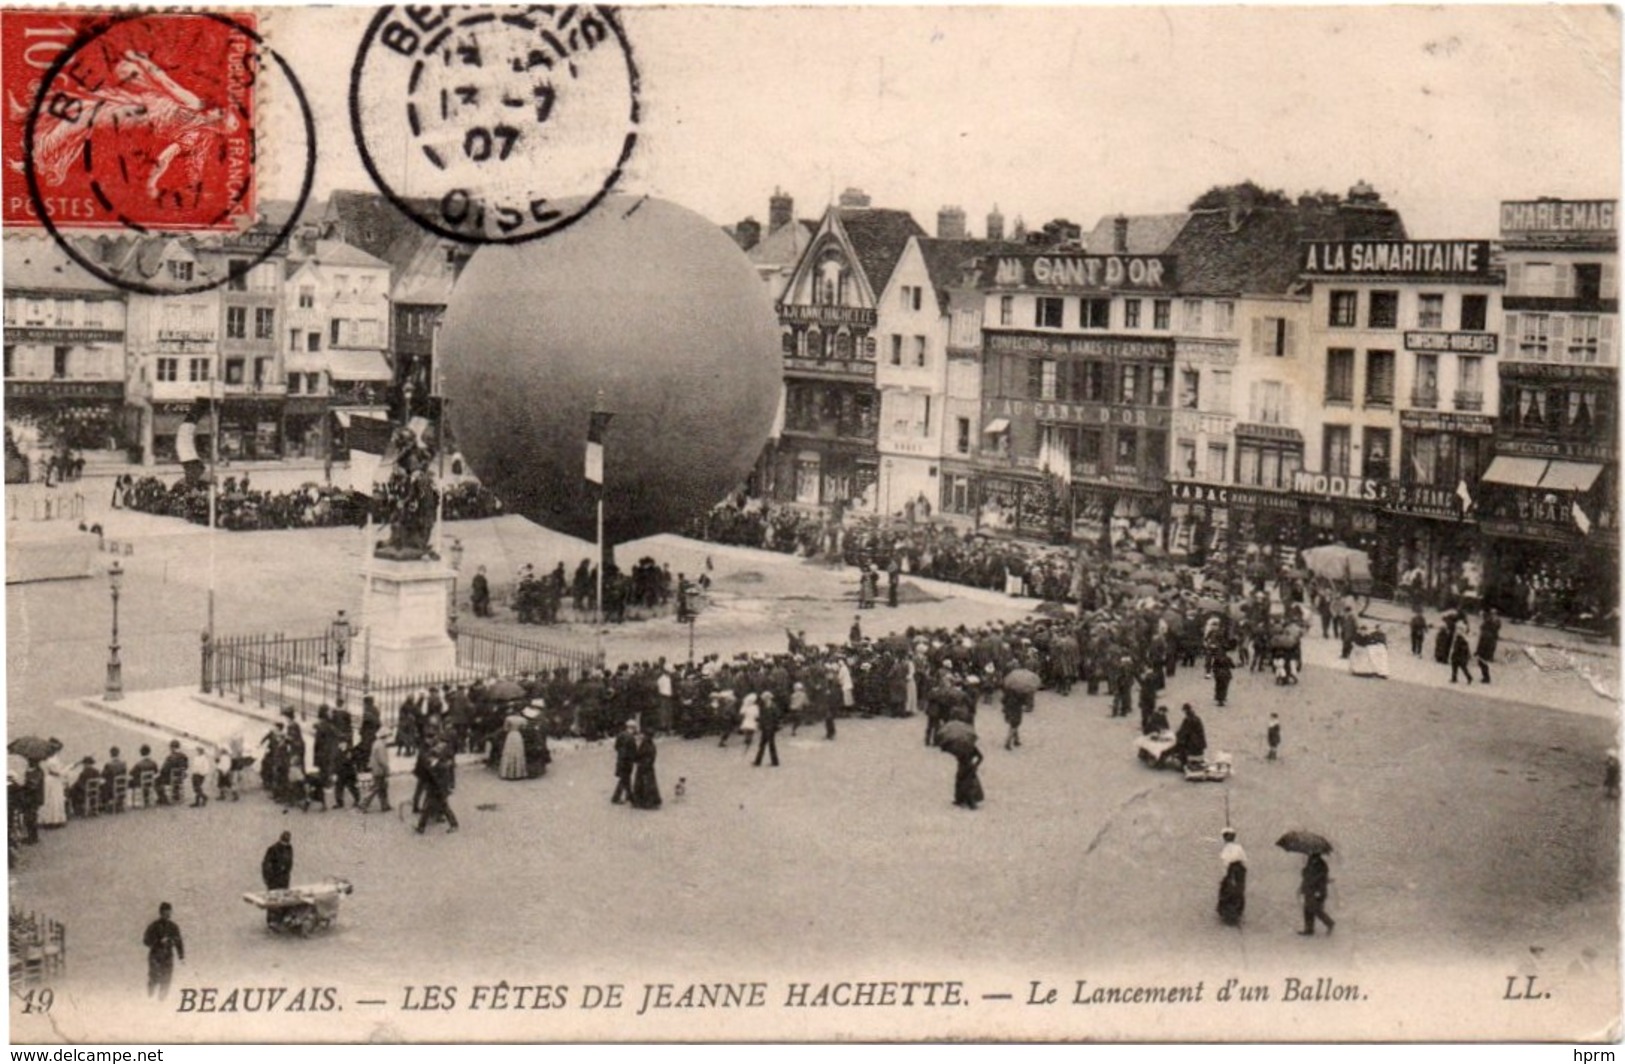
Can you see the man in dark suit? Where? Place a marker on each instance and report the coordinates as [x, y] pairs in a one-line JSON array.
[[480, 594], [768, 722], [111, 771], [276, 869], [626, 752], [1316, 882]]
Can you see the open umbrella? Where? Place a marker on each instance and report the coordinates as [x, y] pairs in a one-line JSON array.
[[1022, 682], [504, 691], [1334, 561], [956, 737], [31, 747], [1299, 841]]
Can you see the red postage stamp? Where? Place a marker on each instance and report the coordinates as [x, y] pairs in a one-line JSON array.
[[139, 121]]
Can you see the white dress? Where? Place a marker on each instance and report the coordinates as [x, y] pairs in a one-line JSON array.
[[54, 812], [750, 711]]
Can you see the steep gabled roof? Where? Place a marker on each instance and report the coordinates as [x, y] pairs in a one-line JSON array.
[[945, 260], [1148, 234], [1261, 250], [878, 236], [339, 253], [783, 246], [37, 265], [368, 221]]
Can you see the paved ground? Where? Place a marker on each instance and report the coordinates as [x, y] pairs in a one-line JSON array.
[[1474, 841]]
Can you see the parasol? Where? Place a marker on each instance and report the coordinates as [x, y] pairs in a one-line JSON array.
[[504, 691], [31, 747], [1299, 841], [1023, 682], [956, 737], [1334, 561]]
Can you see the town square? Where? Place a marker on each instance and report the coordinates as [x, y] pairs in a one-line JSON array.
[[437, 616]]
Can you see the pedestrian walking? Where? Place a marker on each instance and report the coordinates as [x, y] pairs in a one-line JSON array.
[[767, 742], [378, 766], [626, 752], [1015, 705], [164, 947], [225, 775], [967, 783], [1273, 736], [200, 767], [1316, 882], [645, 786], [1461, 655], [437, 800], [1489, 638], [1233, 886]]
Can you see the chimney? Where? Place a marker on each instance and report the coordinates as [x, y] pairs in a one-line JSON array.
[[781, 210], [951, 223], [748, 233], [1120, 234], [995, 224], [854, 197]]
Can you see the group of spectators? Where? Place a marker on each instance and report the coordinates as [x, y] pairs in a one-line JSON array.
[[540, 598], [239, 507]]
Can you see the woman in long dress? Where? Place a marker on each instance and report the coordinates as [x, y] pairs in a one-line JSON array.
[[967, 784], [513, 752], [1233, 887], [53, 812], [645, 788]]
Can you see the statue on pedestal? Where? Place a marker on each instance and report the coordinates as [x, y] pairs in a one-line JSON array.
[[407, 502]]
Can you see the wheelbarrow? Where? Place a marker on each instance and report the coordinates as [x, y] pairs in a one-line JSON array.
[[301, 910]]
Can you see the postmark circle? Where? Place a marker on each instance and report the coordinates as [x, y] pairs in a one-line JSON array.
[[495, 126], [153, 113]]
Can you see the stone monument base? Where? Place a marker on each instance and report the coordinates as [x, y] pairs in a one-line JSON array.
[[407, 603]]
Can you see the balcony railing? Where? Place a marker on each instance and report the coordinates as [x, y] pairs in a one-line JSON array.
[[1469, 400], [1425, 399]]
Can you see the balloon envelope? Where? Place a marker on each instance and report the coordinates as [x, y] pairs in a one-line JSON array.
[[645, 303]]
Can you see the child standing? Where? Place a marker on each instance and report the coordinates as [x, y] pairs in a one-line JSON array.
[[1274, 736]]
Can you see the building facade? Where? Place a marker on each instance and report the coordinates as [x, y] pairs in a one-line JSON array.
[[1550, 506], [65, 352], [1404, 343], [827, 451], [253, 382]]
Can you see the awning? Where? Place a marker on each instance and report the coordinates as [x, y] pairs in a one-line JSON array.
[[996, 426], [1570, 476], [343, 414], [358, 366], [1515, 472]]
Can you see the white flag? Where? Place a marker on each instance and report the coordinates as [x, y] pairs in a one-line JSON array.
[[1580, 518], [1464, 495]]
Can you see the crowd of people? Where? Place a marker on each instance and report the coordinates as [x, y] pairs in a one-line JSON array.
[[240, 507], [649, 588]]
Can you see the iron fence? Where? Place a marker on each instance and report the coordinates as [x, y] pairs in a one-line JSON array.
[[277, 670]]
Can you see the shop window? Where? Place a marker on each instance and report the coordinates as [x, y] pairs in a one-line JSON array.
[[1424, 459], [1344, 310], [1474, 313], [1258, 464], [1049, 311], [1340, 375], [1161, 313], [1248, 464], [1336, 450], [1086, 459], [1430, 310], [1379, 378], [1131, 313], [169, 369], [1383, 310], [1095, 313]]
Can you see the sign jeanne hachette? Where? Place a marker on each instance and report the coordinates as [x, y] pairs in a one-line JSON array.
[[1469, 258]]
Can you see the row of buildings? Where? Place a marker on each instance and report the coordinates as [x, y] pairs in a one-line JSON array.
[[303, 334], [1262, 372]]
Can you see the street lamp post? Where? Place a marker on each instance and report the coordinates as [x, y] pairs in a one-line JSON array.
[[456, 553], [339, 633], [115, 668]]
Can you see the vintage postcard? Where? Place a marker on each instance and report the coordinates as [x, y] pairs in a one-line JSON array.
[[582, 524]]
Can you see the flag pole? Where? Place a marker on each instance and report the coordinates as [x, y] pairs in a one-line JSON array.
[[597, 428]]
